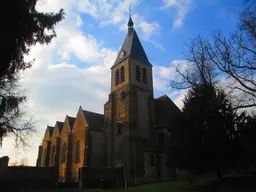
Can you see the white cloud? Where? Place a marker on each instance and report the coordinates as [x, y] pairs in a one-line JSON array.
[[179, 97], [162, 77], [148, 29], [157, 45], [182, 7], [119, 12], [57, 88], [84, 47], [56, 85], [109, 12], [79, 21], [96, 8], [53, 6]]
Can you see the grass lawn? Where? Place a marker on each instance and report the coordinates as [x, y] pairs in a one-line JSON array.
[[229, 184], [173, 186]]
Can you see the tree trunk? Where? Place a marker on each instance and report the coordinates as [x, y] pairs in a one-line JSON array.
[[125, 178]]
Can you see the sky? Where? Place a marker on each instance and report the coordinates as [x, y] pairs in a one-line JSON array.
[[74, 69]]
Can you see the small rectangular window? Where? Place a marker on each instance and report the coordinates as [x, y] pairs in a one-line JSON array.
[[152, 160], [144, 75]]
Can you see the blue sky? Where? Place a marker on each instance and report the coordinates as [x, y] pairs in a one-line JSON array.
[[75, 69]]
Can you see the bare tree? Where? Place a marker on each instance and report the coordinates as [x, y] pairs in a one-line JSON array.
[[229, 62], [196, 69], [14, 120], [235, 57]]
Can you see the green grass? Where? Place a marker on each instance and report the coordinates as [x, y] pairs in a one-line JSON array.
[[230, 184], [173, 186], [193, 183]]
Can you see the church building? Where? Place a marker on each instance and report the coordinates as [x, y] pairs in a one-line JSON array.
[[133, 131]]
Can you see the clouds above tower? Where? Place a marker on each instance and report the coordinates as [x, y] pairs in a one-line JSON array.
[[181, 7], [75, 68]]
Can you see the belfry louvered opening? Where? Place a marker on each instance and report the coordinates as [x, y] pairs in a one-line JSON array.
[[117, 76], [122, 74], [138, 73]]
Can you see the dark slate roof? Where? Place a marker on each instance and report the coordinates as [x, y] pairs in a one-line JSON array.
[[50, 129], [132, 48], [60, 125], [95, 120], [71, 121], [164, 110], [130, 22]]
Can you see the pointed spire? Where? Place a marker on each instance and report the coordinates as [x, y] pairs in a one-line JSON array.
[[130, 23], [131, 47]]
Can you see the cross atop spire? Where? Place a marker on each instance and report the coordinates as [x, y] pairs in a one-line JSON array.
[[130, 22]]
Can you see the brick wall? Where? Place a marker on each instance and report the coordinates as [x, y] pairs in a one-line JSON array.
[[63, 165], [78, 134]]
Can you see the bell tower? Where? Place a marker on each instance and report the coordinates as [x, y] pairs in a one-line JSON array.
[[128, 121]]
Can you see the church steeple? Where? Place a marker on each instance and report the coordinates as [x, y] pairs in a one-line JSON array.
[[130, 23], [130, 26], [131, 47]]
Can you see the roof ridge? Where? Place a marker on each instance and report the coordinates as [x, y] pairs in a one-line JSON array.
[[92, 112], [163, 96], [59, 122], [70, 116]]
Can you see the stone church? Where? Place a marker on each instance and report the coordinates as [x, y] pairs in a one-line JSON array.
[[133, 132]]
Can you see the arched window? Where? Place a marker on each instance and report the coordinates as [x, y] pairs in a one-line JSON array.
[[53, 154], [144, 75], [64, 153], [77, 151], [117, 77], [122, 74], [137, 73]]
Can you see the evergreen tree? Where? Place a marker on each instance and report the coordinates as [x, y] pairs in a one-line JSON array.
[[207, 129], [21, 29]]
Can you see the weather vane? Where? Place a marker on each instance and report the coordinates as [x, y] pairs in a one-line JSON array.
[[130, 9]]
